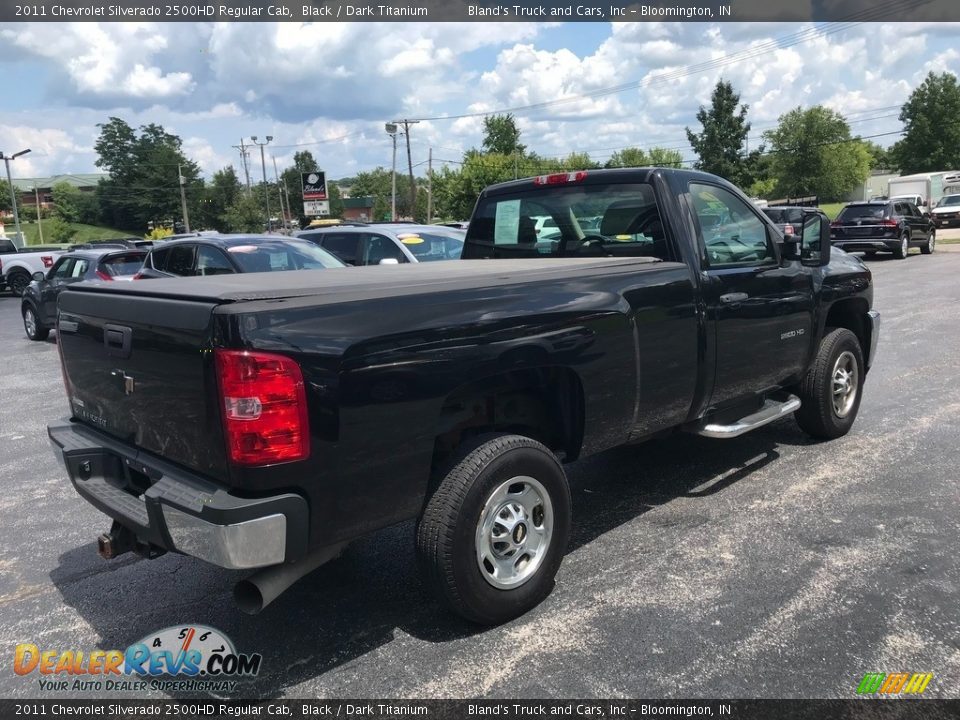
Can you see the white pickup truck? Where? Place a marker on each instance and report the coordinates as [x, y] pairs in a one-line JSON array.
[[17, 267]]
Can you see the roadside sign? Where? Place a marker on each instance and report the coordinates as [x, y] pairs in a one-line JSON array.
[[313, 208], [314, 185]]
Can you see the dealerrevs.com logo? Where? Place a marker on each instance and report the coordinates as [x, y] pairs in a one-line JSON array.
[[193, 657]]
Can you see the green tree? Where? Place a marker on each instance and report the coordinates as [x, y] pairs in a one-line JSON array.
[[880, 157], [931, 139], [662, 157], [628, 157], [303, 161], [66, 202], [815, 154], [502, 136], [58, 230], [5, 205], [720, 145], [336, 200], [222, 192], [245, 214], [143, 167]]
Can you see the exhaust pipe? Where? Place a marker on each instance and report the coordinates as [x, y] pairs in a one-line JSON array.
[[264, 586]]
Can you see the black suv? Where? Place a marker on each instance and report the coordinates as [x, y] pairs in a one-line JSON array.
[[887, 226]]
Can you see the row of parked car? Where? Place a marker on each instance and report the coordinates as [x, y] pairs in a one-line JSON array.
[[889, 225], [215, 254]]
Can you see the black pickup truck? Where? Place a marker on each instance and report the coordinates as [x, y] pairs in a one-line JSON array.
[[265, 420]]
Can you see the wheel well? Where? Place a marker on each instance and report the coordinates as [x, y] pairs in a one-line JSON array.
[[851, 314], [545, 404]]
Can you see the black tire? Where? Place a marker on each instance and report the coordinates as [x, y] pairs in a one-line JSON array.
[[817, 415], [447, 544], [39, 332], [17, 281], [903, 249], [931, 243]]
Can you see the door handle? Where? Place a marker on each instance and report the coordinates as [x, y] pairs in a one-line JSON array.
[[733, 298]]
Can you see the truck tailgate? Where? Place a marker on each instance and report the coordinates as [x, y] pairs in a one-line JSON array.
[[139, 369]]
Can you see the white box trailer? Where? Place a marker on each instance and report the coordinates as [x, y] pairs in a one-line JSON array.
[[930, 187]]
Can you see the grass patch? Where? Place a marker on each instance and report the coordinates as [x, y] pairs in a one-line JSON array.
[[832, 209], [82, 233], [948, 241]]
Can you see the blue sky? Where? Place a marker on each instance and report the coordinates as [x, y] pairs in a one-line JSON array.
[[330, 87]]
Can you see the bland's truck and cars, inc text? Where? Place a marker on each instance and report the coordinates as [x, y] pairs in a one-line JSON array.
[[259, 421]]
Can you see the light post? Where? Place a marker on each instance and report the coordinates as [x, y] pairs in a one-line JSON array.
[[13, 194], [391, 129], [263, 165]]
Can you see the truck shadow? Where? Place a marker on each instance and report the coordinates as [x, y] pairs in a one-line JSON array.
[[371, 597]]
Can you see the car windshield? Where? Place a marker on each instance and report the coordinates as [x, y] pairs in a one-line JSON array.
[[950, 200], [286, 255], [432, 245], [122, 265], [862, 212]]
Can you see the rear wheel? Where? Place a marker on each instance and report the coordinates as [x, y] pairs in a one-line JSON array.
[[830, 393], [931, 243], [900, 252], [493, 534], [17, 281], [31, 324]]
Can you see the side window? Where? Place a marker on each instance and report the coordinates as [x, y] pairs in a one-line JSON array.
[[344, 246], [732, 234], [62, 269], [180, 260], [158, 258], [914, 210], [380, 247], [79, 268], [898, 209], [211, 261]]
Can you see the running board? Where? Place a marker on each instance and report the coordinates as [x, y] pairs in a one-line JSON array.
[[771, 410]]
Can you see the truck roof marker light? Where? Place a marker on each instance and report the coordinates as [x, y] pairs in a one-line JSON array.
[[264, 407], [561, 178]]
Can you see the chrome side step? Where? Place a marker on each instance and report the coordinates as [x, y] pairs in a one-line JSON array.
[[771, 410]]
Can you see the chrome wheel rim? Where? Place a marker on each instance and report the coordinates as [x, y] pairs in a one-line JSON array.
[[30, 322], [845, 383], [904, 246], [514, 532], [933, 241]]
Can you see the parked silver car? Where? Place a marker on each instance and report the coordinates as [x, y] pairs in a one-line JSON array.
[[388, 243]]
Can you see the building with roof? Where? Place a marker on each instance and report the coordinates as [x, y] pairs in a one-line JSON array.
[[358, 208], [32, 190]]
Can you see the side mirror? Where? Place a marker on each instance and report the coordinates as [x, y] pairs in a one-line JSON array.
[[389, 261], [815, 240], [39, 276]]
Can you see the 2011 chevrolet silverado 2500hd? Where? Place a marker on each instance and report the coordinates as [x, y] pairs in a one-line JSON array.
[[263, 421]]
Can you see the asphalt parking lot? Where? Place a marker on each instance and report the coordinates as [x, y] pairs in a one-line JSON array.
[[766, 566]]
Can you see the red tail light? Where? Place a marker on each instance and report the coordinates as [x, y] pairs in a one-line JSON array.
[[103, 276], [47, 260], [560, 178], [264, 407], [889, 223]]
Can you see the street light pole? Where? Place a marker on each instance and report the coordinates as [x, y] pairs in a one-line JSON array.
[[13, 194], [391, 129], [263, 166]]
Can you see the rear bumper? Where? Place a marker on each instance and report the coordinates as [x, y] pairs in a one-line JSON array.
[[165, 506], [851, 245]]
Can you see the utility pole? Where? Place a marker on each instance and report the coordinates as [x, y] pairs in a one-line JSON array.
[[413, 188], [13, 194], [430, 186], [263, 166], [276, 175], [391, 129], [243, 158], [183, 201], [36, 196]]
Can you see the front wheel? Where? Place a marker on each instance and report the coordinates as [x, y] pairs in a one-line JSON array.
[[931, 243], [830, 393], [32, 326], [494, 532]]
